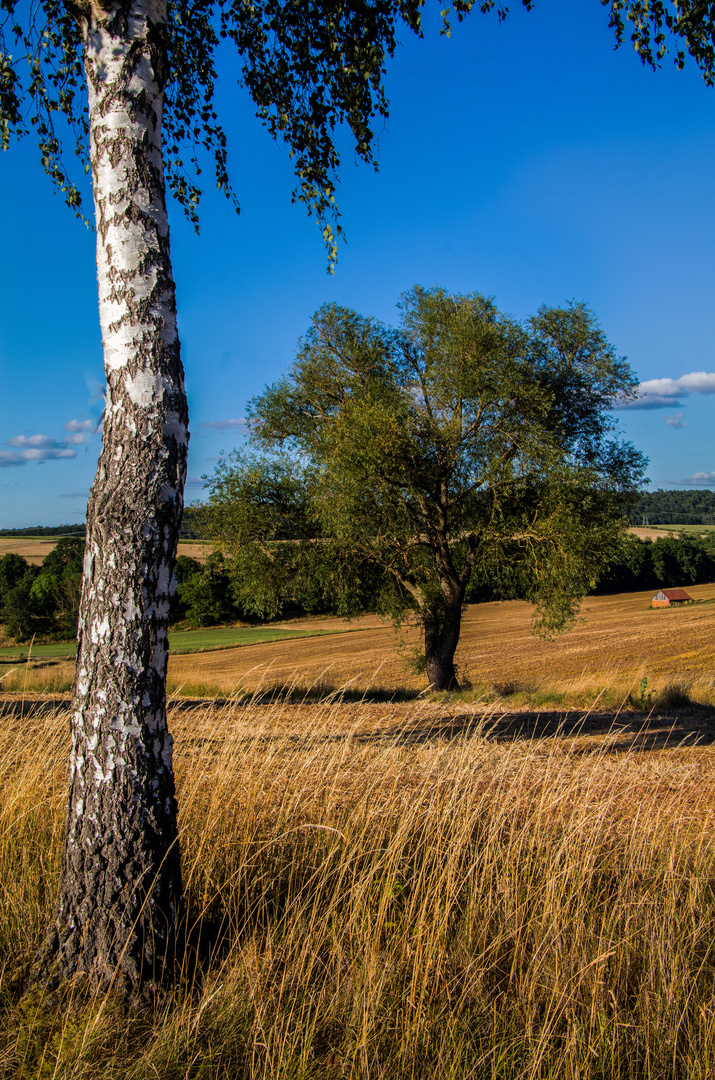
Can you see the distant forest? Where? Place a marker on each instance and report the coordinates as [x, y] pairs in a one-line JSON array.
[[653, 508], [189, 529], [46, 530], [674, 508]]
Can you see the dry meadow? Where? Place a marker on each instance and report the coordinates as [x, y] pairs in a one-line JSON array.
[[618, 643], [381, 885]]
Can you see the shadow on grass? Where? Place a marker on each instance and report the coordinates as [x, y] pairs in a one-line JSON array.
[[671, 721], [612, 730]]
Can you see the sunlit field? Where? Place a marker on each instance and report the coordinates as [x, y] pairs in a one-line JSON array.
[[514, 881], [394, 890], [620, 647]]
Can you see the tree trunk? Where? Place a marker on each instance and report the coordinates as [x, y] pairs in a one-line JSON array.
[[121, 885], [442, 626]]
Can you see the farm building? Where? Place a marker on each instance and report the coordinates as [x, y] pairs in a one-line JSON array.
[[668, 597]]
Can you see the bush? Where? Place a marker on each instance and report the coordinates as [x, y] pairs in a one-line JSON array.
[[42, 601]]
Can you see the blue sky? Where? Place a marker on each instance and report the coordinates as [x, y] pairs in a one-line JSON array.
[[528, 161]]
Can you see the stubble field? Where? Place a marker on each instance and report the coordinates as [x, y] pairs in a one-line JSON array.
[[618, 642]]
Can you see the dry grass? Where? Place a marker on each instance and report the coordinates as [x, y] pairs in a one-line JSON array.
[[392, 891], [619, 643]]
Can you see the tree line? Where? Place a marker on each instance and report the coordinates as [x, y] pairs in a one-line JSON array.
[[45, 530], [674, 508], [42, 601]]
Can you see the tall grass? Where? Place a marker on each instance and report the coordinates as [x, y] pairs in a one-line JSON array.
[[367, 897]]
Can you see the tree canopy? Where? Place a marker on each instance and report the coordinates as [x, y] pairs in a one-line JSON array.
[[462, 438]]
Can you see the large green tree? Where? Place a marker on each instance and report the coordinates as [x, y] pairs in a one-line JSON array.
[[460, 439], [131, 84]]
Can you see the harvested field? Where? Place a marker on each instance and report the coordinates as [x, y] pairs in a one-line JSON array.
[[32, 549], [195, 549], [648, 533], [619, 641]]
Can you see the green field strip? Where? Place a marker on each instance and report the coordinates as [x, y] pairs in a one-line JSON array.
[[181, 642], [57, 649]]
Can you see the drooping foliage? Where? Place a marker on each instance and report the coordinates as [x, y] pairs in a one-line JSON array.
[[308, 69]]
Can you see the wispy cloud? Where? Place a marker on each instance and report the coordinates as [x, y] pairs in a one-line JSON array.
[[707, 478], [225, 425], [81, 431], [665, 393], [676, 421], [195, 481]]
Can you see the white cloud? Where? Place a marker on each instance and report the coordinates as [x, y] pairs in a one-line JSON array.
[[81, 425], [195, 481], [664, 393], [35, 442], [14, 457], [676, 421], [224, 425], [46, 448], [707, 478], [7, 458], [47, 453], [35, 448], [699, 382]]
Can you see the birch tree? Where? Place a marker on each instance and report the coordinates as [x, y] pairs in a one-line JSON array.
[[129, 85]]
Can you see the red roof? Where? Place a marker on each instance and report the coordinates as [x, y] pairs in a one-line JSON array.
[[676, 594]]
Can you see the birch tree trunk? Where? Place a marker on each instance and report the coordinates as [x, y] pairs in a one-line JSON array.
[[121, 886]]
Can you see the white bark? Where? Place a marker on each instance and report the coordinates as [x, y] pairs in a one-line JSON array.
[[121, 886]]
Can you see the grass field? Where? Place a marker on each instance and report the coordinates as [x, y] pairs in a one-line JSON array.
[[10, 653], [391, 891], [180, 641], [619, 642], [185, 642]]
